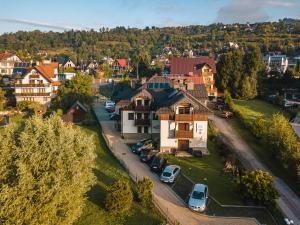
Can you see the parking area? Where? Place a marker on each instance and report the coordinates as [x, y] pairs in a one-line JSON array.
[[165, 196]]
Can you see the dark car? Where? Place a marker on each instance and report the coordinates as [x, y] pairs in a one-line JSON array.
[[110, 109], [147, 155], [144, 144], [158, 164], [114, 116]]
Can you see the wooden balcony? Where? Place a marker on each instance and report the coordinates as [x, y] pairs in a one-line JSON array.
[[184, 117], [31, 85], [184, 134], [32, 94], [142, 122], [142, 108]]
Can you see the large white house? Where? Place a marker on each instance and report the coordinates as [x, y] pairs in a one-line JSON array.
[[178, 118], [40, 84], [276, 61], [7, 62]]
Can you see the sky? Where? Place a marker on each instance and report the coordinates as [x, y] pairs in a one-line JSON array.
[[60, 15]]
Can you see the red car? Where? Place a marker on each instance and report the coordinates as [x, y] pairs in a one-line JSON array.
[[110, 109]]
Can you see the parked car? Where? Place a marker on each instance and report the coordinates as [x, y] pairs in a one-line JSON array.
[[140, 144], [109, 104], [158, 164], [114, 116], [147, 155], [110, 109], [226, 114], [198, 198], [170, 173]]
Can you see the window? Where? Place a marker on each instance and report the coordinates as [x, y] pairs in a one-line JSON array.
[[146, 102], [40, 81], [139, 102], [31, 81], [130, 116], [139, 130], [154, 117], [161, 85], [146, 116], [150, 86], [139, 116], [146, 130], [155, 85]]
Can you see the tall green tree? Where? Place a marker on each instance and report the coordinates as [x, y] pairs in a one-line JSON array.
[[79, 88], [297, 69], [45, 172], [3, 99]]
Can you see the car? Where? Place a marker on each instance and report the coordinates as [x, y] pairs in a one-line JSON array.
[[147, 155], [147, 144], [198, 198], [158, 164], [110, 109], [170, 173], [109, 104], [140, 143], [226, 114], [114, 116]]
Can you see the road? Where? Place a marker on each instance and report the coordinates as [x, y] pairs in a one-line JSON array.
[[163, 194], [288, 202]]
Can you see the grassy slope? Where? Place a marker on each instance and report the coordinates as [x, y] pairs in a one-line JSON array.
[[254, 109], [209, 170], [109, 170]]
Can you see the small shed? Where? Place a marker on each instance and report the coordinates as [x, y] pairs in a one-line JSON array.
[[75, 114]]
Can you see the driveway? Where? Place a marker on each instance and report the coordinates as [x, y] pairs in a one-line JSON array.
[[288, 202], [164, 197]]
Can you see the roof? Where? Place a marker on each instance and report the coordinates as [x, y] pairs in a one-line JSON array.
[[77, 103], [188, 65], [63, 59], [296, 127], [47, 69], [5, 55], [199, 91], [123, 62]]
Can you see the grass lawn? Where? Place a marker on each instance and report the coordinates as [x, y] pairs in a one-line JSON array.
[[254, 109], [107, 171], [209, 170]]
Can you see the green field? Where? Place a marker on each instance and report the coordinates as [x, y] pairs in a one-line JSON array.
[[107, 171], [252, 110]]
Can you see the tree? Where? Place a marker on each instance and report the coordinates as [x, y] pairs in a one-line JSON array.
[[119, 198], [3, 99], [144, 190], [45, 171], [79, 88], [107, 70], [297, 69], [258, 186]]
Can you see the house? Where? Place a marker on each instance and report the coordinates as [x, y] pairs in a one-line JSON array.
[[177, 117], [40, 84], [203, 66], [7, 62], [276, 61], [75, 114], [65, 63], [120, 66]]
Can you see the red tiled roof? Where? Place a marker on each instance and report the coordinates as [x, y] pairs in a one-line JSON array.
[[187, 65], [123, 62], [5, 55], [195, 79], [47, 69]]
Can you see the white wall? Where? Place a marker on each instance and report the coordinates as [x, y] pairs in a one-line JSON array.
[[165, 140], [200, 135], [128, 125]]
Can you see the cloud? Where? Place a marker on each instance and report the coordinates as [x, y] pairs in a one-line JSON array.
[[43, 24], [242, 11]]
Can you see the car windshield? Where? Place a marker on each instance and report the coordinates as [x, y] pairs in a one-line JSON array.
[[167, 174], [198, 195]]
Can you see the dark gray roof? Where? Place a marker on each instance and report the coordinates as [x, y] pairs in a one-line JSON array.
[[199, 92]]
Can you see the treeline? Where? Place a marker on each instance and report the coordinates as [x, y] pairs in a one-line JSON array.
[[120, 41]]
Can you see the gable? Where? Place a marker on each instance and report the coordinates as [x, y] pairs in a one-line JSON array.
[[142, 94]]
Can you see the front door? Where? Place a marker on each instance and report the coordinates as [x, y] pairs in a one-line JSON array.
[[183, 145]]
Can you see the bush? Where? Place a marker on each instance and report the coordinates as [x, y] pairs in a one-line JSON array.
[[144, 190], [59, 112], [119, 198], [258, 186]]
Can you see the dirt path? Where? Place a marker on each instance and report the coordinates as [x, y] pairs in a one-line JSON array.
[[288, 202], [163, 194]]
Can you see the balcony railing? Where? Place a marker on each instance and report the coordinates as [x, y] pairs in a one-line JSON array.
[[142, 122], [184, 134], [32, 94], [142, 107], [184, 117], [31, 85]]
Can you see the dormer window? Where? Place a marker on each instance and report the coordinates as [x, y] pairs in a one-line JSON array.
[[146, 102], [139, 102]]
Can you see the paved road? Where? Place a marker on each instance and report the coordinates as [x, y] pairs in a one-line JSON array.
[[288, 202], [163, 194]]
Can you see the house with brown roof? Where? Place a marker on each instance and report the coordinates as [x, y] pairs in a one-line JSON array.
[[179, 118], [40, 83], [189, 69], [7, 62], [120, 66]]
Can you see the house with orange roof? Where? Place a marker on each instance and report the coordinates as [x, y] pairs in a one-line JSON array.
[[7, 62], [39, 84], [120, 66]]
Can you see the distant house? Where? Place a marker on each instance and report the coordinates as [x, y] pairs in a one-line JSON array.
[[39, 83], [7, 62], [189, 69], [120, 66], [276, 61], [75, 114], [65, 63]]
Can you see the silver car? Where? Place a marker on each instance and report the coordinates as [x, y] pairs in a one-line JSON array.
[[170, 173], [198, 198]]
